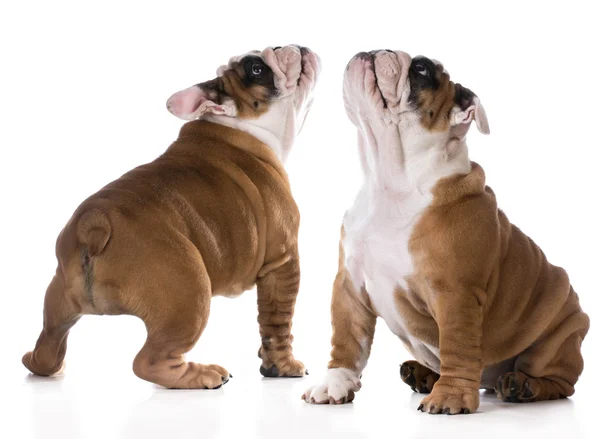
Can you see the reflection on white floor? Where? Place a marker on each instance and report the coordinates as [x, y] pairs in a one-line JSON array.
[[100, 397]]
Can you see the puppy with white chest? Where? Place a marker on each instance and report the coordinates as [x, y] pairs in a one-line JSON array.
[[425, 247], [214, 215]]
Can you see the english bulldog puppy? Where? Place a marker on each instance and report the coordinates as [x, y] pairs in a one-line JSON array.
[[212, 216], [425, 247]]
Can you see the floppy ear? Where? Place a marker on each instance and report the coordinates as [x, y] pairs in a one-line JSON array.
[[193, 102], [474, 112], [470, 109]]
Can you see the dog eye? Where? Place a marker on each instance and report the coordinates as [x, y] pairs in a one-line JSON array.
[[421, 69], [256, 69]]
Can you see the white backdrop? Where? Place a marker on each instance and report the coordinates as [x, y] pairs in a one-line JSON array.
[[83, 90]]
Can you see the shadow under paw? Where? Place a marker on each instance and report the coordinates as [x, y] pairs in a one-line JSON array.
[[274, 372]]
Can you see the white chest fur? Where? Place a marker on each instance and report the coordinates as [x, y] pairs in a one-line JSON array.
[[377, 230], [401, 166]]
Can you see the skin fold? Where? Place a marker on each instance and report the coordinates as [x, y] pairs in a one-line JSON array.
[[214, 215], [426, 248]]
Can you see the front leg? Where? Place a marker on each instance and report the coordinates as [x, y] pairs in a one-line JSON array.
[[459, 316], [277, 288], [353, 325]]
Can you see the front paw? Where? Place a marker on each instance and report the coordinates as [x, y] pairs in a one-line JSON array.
[[450, 400], [338, 387]]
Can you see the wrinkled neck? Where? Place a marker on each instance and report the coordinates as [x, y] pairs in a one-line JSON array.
[[276, 128], [395, 160]]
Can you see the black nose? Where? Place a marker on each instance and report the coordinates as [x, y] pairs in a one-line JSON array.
[[303, 50], [364, 55], [374, 52]]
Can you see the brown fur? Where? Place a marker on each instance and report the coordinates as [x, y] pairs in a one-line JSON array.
[[508, 303], [420, 378], [485, 295], [213, 215], [251, 101], [347, 333], [435, 104], [482, 307]]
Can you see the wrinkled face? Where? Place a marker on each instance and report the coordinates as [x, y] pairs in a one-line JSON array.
[[392, 88], [252, 84]]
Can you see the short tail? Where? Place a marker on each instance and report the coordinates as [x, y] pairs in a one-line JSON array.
[[93, 230]]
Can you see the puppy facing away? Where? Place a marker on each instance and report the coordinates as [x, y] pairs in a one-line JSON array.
[[213, 215], [425, 247]]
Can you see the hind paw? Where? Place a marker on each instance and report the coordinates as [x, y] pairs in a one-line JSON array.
[[514, 387]]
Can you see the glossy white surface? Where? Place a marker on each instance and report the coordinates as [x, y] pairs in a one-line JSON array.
[[83, 87], [99, 397]]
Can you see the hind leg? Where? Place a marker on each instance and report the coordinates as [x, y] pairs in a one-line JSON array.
[[420, 378], [175, 314], [162, 361], [60, 314], [550, 368]]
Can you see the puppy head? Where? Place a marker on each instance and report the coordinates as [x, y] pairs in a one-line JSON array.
[[251, 84], [416, 93]]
